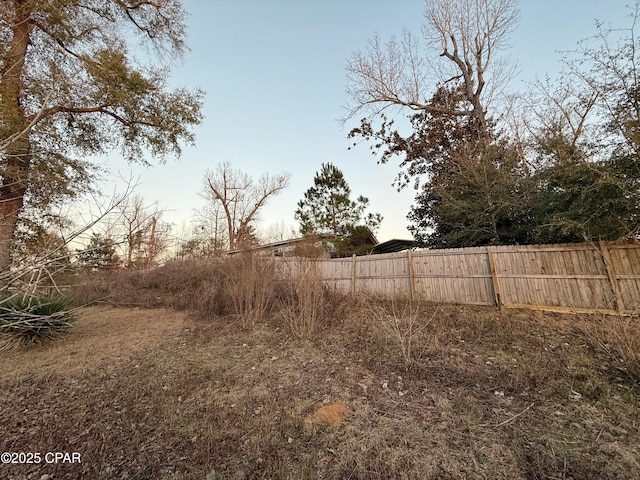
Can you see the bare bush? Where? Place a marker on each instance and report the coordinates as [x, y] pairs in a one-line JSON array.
[[402, 324], [618, 336], [249, 284], [248, 287], [195, 285], [303, 300]]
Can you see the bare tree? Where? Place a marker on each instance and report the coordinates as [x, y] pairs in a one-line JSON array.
[[462, 39], [43, 265], [140, 230], [209, 227], [241, 198], [607, 66], [560, 110], [278, 231]]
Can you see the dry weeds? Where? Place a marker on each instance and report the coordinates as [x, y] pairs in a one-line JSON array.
[[402, 324], [617, 336], [151, 394], [305, 303]]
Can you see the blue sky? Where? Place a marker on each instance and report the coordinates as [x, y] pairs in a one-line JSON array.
[[273, 72]]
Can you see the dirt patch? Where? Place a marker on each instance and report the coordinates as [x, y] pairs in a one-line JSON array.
[[102, 337], [332, 415]]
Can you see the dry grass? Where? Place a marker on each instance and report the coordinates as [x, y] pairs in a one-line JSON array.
[[401, 323], [105, 338], [618, 337], [305, 303], [156, 394], [196, 285], [249, 286]]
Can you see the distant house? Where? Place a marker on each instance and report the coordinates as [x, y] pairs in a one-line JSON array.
[[301, 246], [315, 246]]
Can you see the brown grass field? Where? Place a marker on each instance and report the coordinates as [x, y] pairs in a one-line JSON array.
[[479, 393], [148, 393]]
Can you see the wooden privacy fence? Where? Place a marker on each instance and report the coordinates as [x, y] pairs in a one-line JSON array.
[[602, 277]]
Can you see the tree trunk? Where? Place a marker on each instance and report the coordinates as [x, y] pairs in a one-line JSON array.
[[10, 206], [151, 247], [16, 158]]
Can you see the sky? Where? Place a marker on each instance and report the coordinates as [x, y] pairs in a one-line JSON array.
[[275, 82]]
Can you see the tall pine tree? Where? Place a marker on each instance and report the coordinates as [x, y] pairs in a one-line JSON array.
[[328, 209]]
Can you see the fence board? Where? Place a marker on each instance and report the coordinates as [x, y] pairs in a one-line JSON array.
[[580, 277], [572, 276], [625, 261], [460, 275], [386, 276]]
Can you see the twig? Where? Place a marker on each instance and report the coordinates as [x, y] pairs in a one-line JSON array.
[[509, 420]]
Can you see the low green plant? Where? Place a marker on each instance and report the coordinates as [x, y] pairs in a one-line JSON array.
[[30, 319]]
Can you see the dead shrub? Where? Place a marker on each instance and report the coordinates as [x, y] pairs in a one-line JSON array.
[[249, 284], [402, 323], [194, 285], [241, 286], [245, 286], [88, 289], [618, 337], [304, 299]]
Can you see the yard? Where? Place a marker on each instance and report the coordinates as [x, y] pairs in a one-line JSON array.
[[145, 393]]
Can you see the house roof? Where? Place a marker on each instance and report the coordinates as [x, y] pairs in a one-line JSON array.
[[292, 241], [394, 245], [280, 243]]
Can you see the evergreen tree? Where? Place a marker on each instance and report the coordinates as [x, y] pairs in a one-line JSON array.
[[100, 254], [580, 197], [328, 209]]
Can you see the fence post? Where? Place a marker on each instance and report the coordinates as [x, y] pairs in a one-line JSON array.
[[353, 275], [611, 274], [495, 278], [412, 278]]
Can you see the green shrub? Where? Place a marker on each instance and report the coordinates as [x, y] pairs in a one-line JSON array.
[[28, 319]]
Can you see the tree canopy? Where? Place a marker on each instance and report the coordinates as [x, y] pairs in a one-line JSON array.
[[563, 168], [99, 254], [70, 87]]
